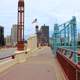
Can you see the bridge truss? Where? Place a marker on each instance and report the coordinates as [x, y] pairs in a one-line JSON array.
[[65, 36]]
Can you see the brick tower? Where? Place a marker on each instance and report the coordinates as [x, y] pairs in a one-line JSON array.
[[20, 24]]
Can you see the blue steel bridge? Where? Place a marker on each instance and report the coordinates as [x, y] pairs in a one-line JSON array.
[[60, 61]]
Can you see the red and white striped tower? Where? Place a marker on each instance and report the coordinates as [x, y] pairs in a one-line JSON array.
[[20, 29]]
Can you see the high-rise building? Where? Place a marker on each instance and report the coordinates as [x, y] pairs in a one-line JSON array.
[[14, 35], [8, 41], [2, 41], [43, 35]]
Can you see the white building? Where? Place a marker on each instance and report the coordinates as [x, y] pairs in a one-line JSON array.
[[32, 42], [8, 41], [14, 35]]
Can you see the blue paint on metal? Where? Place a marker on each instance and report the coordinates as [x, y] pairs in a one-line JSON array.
[[65, 36]]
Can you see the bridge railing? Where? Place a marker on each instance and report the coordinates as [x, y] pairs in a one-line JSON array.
[[65, 46], [70, 54], [71, 69], [8, 61]]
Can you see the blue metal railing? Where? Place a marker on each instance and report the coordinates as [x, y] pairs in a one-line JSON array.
[[65, 38]]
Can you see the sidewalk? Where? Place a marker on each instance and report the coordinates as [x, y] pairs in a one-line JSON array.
[[42, 65]]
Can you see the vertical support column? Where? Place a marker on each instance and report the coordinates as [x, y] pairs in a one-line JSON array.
[[20, 29], [74, 37], [37, 36], [78, 58], [68, 36], [64, 36], [60, 43], [56, 37]]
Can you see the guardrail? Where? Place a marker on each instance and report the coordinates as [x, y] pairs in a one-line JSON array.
[[17, 57], [8, 61], [13, 55], [71, 69]]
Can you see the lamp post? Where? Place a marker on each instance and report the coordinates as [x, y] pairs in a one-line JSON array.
[[37, 31]]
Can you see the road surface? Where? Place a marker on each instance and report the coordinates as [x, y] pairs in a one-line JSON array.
[[42, 65]]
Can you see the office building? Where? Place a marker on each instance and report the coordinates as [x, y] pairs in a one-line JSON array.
[[2, 41], [14, 35], [8, 41], [42, 35]]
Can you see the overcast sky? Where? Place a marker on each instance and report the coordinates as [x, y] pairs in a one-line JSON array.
[[47, 12]]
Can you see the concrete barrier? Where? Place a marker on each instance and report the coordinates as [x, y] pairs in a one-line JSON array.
[[18, 57], [7, 62], [4, 65]]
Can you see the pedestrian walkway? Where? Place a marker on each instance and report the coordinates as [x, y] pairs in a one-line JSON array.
[[41, 65]]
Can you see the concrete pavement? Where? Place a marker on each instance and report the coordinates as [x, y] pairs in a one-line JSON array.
[[41, 65]]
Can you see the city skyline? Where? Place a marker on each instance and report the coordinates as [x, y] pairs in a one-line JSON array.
[[47, 12]]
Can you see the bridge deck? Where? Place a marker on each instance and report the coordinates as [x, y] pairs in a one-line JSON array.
[[42, 65]]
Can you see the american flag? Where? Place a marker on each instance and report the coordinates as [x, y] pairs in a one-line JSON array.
[[34, 21]]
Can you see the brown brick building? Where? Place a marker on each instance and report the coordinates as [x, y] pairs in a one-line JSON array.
[[42, 35]]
